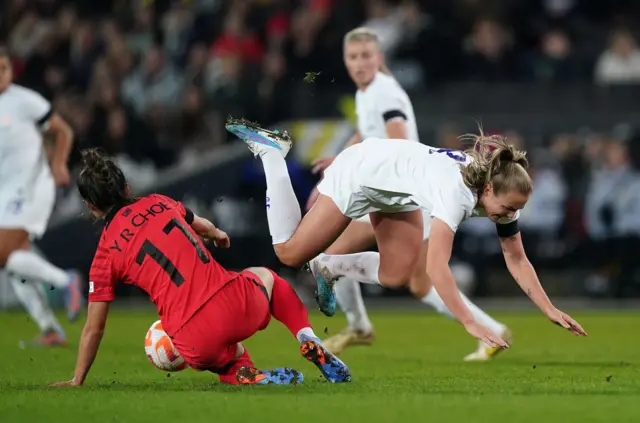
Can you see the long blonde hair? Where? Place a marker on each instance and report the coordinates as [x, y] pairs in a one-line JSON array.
[[497, 163], [365, 34]]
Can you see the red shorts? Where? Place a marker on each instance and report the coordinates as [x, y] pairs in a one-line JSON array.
[[208, 341]]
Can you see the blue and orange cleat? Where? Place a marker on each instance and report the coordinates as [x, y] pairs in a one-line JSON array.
[[331, 367], [279, 376], [259, 139], [73, 296], [325, 296]]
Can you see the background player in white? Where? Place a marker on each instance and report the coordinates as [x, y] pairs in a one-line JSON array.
[[391, 181], [27, 196], [384, 110]]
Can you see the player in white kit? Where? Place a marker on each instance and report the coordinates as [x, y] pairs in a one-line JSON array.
[[27, 196], [384, 110], [392, 181]]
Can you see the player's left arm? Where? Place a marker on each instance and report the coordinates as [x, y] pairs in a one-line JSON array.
[[63, 135], [208, 231], [397, 128], [519, 265], [391, 106], [525, 275], [204, 228], [39, 110]]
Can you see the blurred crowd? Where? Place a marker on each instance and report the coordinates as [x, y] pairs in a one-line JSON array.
[[147, 78]]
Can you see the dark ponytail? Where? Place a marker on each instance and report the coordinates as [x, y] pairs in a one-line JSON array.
[[101, 182]]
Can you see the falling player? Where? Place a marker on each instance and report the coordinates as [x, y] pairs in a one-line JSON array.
[[391, 180], [152, 242], [384, 110], [27, 196]]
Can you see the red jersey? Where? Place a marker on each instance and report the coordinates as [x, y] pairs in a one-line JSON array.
[[150, 244]]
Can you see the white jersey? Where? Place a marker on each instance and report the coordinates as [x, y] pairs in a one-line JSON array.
[[384, 100], [27, 190], [23, 112], [399, 175]]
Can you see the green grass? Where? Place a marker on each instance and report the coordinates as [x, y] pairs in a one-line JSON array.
[[412, 372]]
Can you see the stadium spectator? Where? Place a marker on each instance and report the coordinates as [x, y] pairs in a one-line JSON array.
[[556, 60], [620, 63], [489, 54]]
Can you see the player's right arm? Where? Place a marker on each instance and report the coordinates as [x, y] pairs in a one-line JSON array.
[[438, 270], [450, 206], [103, 277]]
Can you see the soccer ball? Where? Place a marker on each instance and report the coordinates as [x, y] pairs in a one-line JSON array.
[[160, 350]]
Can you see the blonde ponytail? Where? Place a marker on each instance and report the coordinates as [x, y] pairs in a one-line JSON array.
[[366, 34], [496, 163]]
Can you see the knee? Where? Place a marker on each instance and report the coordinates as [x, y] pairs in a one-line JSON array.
[[266, 277], [420, 285], [394, 280], [5, 252], [288, 256]]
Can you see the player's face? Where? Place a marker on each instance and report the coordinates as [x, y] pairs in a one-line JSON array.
[[6, 73], [363, 59], [502, 205]]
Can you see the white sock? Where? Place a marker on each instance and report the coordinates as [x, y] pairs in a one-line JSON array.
[[305, 334], [362, 267], [433, 299], [283, 209], [349, 299], [32, 267], [34, 301]]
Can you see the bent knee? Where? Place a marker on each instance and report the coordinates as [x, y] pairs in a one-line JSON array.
[[266, 277], [289, 256], [394, 280], [420, 285]]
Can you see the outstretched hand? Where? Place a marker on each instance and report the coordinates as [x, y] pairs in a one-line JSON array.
[[564, 320], [65, 384], [485, 334]]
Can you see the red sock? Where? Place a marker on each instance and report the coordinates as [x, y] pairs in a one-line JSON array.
[[229, 377], [287, 307]]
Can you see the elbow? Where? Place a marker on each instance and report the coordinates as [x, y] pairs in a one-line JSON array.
[[436, 272], [516, 260], [67, 132]]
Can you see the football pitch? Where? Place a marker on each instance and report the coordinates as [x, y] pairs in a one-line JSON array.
[[412, 373]]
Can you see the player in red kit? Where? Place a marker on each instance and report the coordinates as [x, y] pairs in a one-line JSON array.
[[154, 243]]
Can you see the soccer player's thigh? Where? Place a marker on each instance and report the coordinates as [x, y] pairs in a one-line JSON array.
[[319, 228], [420, 284], [357, 237], [399, 237], [248, 304], [239, 310], [24, 211]]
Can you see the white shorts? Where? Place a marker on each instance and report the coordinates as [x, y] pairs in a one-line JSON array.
[[27, 206], [342, 184], [426, 223]]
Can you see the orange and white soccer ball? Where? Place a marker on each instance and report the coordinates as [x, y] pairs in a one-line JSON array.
[[160, 350]]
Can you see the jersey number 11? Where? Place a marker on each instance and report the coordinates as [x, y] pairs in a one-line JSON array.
[[149, 249]]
